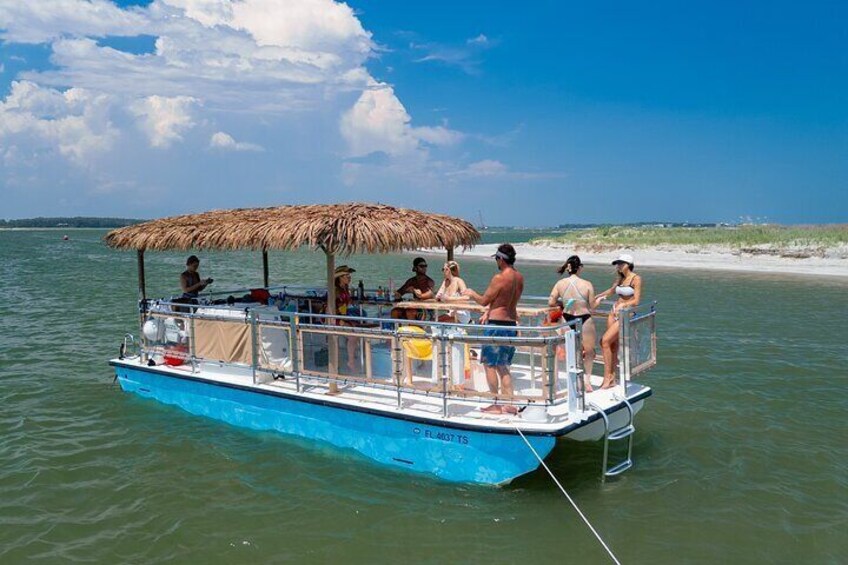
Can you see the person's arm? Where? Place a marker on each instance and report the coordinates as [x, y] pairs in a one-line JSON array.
[[440, 295], [487, 297], [637, 292], [402, 290], [554, 297], [591, 297], [460, 289], [599, 297], [194, 287]]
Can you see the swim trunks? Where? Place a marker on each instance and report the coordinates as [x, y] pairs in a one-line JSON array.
[[496, 355]]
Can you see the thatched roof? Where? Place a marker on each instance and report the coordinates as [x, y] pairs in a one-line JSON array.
[[338, 228]]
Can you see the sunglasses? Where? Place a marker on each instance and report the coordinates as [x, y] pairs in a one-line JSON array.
[[421, 265]]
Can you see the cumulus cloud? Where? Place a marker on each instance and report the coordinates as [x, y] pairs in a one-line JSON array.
[[76, 122], [280, 70], [46, 20], [378, 122], [164, 119], [221, 140]]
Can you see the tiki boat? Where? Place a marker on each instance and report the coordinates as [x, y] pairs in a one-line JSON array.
[[405, 394]]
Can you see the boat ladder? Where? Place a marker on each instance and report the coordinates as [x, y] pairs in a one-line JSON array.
[[624, 432]]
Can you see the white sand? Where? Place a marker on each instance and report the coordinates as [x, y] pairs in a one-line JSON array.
[[834, 262]]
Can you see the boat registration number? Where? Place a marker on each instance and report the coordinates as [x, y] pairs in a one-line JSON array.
[[444, 436]]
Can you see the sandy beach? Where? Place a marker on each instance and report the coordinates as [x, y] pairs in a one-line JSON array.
[[833, 263]]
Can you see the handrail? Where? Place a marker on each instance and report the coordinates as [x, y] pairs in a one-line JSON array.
[[560, 383]]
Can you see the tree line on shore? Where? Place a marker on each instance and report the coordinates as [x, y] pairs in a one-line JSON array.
[[75, 222]]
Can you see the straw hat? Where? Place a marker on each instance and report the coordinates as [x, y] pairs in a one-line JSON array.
[[343, 270]]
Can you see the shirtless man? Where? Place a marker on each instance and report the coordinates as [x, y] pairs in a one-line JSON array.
[[502, 298]]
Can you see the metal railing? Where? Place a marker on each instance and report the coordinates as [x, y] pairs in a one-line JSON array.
[[384, 353]]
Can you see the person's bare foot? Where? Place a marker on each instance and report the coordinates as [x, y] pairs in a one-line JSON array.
[[493, 409], [587, 384], [607, 384]]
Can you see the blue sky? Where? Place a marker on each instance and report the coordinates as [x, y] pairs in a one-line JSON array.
[[538, 114]]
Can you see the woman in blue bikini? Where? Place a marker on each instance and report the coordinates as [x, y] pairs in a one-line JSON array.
[[577, 296]]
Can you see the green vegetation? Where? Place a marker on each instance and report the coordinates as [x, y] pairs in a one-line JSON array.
[[76, 222], [744, 236]]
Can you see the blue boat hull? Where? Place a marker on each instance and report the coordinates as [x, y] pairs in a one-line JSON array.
[[448, 452]]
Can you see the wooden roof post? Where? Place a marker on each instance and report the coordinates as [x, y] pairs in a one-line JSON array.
[[265, 267], [333, 342], [142, 291], [450, 253]]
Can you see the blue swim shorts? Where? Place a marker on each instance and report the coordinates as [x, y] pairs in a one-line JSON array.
[[494, 355]]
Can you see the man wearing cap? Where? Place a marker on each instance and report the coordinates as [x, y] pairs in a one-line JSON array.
[[420, 286], [628, 288], [502, 298]]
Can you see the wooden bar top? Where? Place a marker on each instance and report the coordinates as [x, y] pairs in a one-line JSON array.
[[470, 305]]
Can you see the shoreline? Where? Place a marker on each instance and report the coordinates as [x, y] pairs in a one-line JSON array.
[[721, 259]]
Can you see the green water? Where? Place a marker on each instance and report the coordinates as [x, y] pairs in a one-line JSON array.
[[740, 455]]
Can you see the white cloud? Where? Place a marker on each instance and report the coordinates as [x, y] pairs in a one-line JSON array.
[[485, 168], [378, 121], [277, 70], [221, 140], [164, 119], [493, 169], [466, 56], [45, 20], [75, 122]]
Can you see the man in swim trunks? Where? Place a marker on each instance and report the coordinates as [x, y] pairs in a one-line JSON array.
[[502, 298]]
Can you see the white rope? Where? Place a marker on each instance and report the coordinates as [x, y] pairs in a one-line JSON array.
[[586, 520]]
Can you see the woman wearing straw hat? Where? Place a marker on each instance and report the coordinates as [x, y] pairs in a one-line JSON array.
[[344, 298], [628, 288]]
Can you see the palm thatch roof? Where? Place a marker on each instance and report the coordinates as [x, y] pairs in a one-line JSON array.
[[335, 228]]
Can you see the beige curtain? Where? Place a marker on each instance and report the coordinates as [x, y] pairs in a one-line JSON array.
[[223, 341]]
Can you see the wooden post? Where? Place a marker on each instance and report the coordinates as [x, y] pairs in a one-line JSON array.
[[333, 341], [450, 253], [265, 267], [142, 291]]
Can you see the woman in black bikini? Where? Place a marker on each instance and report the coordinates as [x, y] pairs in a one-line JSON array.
[[577, 295], [628, 288]]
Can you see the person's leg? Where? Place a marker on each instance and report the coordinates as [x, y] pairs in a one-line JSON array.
[[506, 388], [589, 337], [608, 342]]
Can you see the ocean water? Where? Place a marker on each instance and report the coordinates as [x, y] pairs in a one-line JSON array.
[[740, 455]]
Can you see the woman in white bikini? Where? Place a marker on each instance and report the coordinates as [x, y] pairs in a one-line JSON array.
[[628, 288], [577, 296], [451, 289]]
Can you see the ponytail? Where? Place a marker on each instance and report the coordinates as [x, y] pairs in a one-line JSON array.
[[571, 266]]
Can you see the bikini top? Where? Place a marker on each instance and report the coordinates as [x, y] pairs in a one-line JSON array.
[[625, 290], [569, 302]]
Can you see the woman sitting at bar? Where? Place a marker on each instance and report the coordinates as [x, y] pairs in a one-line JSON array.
[[453, 286], [451, 289]]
